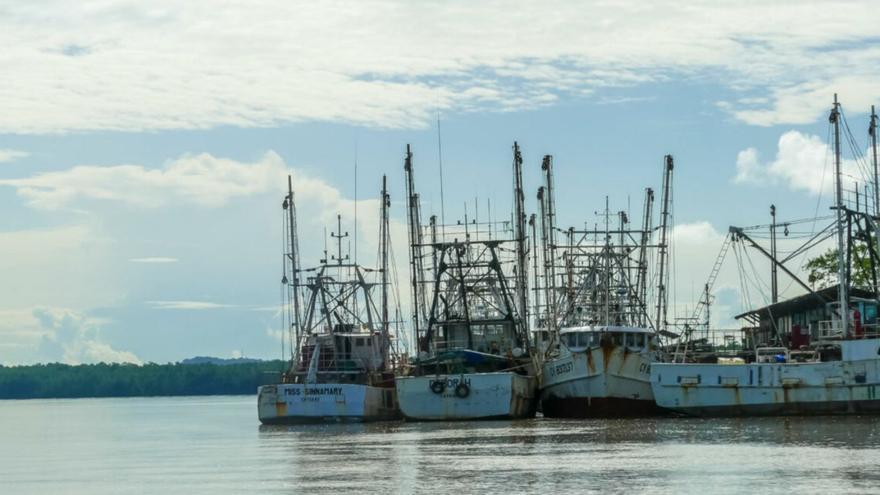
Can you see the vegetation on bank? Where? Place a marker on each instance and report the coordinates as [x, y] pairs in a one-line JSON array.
[[56, 381]]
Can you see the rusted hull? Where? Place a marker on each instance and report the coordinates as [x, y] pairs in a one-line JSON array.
[[600, 382], [769, 389], [290, 403], [502, 395]]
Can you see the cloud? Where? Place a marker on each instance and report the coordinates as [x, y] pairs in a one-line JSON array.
[[188, 305], [202, 179], [803, 162], [68, 266], [74, 338], [9, 155], [130, 66], [154, 259]]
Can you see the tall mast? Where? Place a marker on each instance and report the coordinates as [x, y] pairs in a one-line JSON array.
[[872, 131], [383, 243], [415, 241], [550, 259], [774, 284], [841, 216], [660, 321], [522, 278], [642, 280], [294, 258], [549, 298], [534, 248]]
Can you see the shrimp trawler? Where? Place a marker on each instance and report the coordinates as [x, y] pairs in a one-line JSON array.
[[596, 311], [340, 368], [474, 358], [818, 353]]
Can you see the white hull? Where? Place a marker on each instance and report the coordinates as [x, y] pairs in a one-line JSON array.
[[490, 395], [304, 403], [598, 382], [835, 387]]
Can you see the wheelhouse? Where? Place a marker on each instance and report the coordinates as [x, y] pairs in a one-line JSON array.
[[578, 339]]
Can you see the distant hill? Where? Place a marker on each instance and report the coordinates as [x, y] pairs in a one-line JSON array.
[[220, 361]]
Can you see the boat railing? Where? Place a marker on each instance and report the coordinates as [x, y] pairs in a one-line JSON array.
[[830, 329]]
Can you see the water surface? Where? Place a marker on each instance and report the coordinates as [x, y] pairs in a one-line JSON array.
[[216, 445]]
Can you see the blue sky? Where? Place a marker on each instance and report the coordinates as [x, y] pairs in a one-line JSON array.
[[144, 149]]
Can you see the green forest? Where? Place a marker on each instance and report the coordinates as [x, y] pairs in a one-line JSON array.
[[55, 381]]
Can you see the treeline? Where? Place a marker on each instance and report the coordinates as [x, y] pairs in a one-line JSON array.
[[56, 381]]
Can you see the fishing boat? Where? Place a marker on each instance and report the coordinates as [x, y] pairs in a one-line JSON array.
[[341, 367], [474, 359], [596, 305], [818, 353]]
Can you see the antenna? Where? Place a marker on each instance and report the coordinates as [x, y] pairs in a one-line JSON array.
[[355, 200], [440, 161], [338, 235]]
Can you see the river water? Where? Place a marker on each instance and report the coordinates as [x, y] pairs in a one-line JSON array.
[[215, 445]]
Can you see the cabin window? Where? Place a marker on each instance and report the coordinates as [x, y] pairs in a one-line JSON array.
[[640, 340], [630, 339], [571, 339], [359, 342], [617, 338]]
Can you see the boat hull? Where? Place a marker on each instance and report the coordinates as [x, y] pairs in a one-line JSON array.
[[291, 403], [502, 395], [769, 389], [601, 382]]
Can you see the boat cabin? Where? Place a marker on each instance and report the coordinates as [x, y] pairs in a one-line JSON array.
[[343, 351], [578, 339], [796, 322], [490, 337]]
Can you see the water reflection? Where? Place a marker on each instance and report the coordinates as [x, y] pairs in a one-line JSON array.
[[214, 445], [671, 454]]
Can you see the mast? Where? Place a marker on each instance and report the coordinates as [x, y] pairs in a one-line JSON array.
[[415, 241], [534, 248], [872, 131], [383, 243], [642, 279], [550, 233], [522, 278], [660, 321], [290, 205], [549, 299], [841, 244], [774, 284]]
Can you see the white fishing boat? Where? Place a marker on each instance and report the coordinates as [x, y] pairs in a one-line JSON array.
[[600, 372], [341, 366], [818, 353], [776, 384], [597, 298], [474, 358]]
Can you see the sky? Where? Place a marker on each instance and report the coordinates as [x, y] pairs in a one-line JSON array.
[[145, 146]]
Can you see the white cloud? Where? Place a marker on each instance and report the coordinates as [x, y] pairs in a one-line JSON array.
[[74, 338], [201, 179], [803, 163], [154, 259], [748, 168], [69, 266], [9, 155], [189, 305], [132, 66]]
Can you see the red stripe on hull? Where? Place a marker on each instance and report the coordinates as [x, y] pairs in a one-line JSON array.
[[600, 407]]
